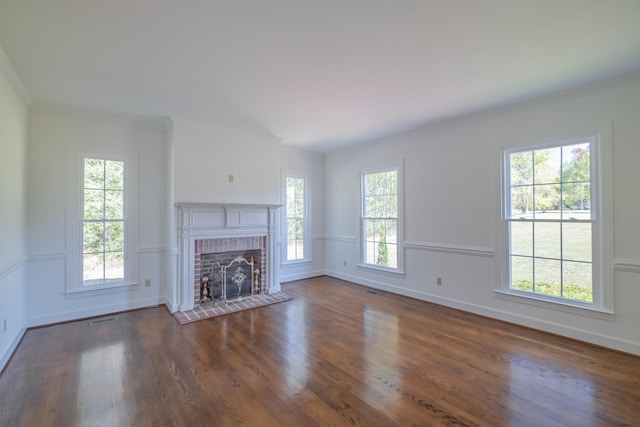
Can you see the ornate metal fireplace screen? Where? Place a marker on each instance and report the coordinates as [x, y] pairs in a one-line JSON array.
[[238, 279]]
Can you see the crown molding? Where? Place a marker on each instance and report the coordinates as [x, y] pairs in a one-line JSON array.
[[7, 69]]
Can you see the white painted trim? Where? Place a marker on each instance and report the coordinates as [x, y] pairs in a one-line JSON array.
[[482, 251], [13, 267], [92, 312], [152, 250], [12, 348], [628, 265], [7, 69], [196, 221], [48, 257], [345, 239], [554, 328]]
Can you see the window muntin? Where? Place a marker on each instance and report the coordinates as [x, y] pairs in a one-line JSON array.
[[103, 221], [550, 223], [380, 218], [295, 188]]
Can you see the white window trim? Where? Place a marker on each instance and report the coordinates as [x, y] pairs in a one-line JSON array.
[[602, 207], [399, 167], [308, 254], [76, 153]]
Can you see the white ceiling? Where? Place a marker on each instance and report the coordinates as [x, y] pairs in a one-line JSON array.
[[319, 74]]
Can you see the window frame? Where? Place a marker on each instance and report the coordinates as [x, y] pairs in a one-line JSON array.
[[601, 219], [307, 239], [76, 155], [399, 270]]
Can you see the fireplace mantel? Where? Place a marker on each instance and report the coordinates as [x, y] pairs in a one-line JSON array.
[[198, 221]]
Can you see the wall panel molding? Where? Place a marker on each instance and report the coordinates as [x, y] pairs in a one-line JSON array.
[[451, 249]]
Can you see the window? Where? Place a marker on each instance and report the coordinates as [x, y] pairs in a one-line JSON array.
[[103, 224], [553, 223], [296, 221], [380, 219], [295, 218], [102, 235]]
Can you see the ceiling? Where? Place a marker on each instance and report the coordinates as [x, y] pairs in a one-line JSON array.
[[318, 74]]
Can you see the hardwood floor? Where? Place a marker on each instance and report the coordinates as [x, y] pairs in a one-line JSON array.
[[335, 355]]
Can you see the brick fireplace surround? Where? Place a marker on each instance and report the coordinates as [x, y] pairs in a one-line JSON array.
[[204, 228]]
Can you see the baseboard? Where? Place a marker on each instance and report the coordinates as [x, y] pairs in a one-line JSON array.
[[169, 304], [12, 348], [93, 312], [530, 322]]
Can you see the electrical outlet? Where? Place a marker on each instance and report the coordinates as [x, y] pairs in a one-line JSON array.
[[147, 283], [439, 281], [230, 178]]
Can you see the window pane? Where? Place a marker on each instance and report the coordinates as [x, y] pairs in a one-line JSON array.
[[522, 238], [547, 275], [93, 204], [521, 202], [522, 273], [93, 237], [576, 241], [576, 280], [94, 173], [114, 204], [114, 175], [576, 163], [547, 198], [114, 236], [299, 249], [576, 201], [521, 168], [547, 166], [92, 267], [391, 231], [114, 266], [547, 239]]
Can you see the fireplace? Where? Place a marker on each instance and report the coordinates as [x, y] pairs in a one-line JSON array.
[[227, 269], [227, 253]]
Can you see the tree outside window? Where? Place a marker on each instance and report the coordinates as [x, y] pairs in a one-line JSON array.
[[380, 218], [550, 223], [296, 218], [103, 221]]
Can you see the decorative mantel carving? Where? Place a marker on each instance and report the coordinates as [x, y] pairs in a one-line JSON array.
[[199, 221]]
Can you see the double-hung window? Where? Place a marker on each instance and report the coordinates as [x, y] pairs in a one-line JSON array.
[[553, 223], [296, 221], [102, 222], [380, 219]]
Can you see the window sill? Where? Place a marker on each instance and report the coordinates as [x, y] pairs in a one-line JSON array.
[[383, 270], [100, 290], [557, 304]]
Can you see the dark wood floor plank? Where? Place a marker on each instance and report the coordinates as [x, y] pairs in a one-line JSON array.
[[337, 354]]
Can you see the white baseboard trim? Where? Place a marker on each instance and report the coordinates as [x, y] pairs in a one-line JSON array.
[[619, 344], [169, 304], [12, 348], [92, 312]]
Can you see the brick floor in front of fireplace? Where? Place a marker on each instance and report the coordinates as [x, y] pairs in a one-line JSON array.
[[209, 310]]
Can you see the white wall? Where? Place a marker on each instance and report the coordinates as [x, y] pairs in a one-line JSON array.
[[312, 166], [50, 130], [205, 154], [13, 209], [452, 199]]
